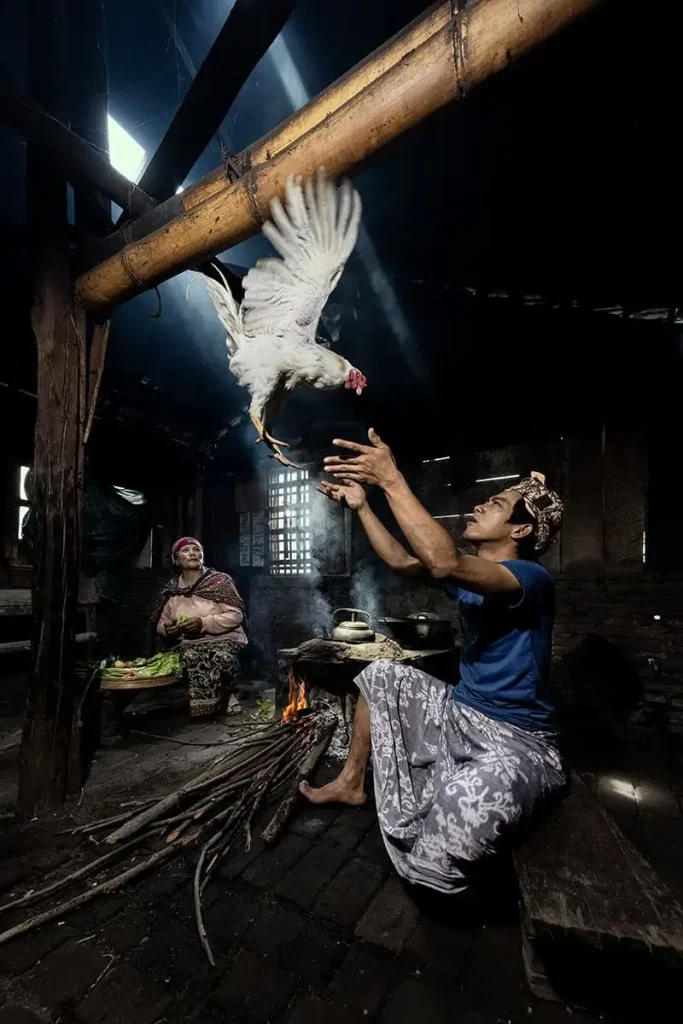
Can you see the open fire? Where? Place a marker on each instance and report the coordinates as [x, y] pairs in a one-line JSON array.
[[298, 700]]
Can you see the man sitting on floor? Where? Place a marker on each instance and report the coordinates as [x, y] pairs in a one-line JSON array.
[[456, 768]]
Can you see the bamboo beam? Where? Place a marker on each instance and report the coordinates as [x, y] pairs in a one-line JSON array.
[[474, 45], [79, 162], [309, 116]]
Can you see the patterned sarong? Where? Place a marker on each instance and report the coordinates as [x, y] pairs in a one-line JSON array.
[[450, 783]]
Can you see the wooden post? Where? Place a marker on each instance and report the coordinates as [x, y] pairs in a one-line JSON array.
[[58, 482], [474, 45], [49, 752]]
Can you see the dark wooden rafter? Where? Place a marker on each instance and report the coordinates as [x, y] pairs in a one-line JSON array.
[[248, 32], [314, 113], [78, 161]]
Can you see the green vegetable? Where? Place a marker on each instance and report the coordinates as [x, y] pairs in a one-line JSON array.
[[167, 663], [183, 618]]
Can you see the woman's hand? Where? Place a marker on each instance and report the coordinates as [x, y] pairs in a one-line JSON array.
[[172, 629], [371, 464], [192, 627], [346, 493]]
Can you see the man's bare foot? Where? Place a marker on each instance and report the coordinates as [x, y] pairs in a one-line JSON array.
[[340, 791]]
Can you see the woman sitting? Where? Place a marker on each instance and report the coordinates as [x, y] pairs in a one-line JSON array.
[[201, 611]]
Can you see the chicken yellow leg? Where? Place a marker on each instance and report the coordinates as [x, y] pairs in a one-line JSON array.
[[271, 442]]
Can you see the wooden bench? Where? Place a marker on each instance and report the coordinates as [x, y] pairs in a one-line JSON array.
[[599, 927]]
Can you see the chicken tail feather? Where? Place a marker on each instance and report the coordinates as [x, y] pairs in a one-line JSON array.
[[229, 313]]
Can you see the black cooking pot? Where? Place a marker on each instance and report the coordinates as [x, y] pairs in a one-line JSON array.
[[418, 631]]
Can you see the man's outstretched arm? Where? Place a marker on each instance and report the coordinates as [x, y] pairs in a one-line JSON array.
[[385, 546], [434, 548]]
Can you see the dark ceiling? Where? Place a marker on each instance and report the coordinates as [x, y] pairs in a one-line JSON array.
[[557, 178]]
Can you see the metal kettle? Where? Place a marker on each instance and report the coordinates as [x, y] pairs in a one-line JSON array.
[[354, 630]]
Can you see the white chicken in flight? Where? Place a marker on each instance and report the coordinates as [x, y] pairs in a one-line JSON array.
[[271, 335]]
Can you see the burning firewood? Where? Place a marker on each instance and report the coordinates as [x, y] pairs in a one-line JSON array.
[[298, 701]]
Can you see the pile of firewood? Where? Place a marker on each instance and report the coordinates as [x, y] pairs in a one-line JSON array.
[[212, 812]]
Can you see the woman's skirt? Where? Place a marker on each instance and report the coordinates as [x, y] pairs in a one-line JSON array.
[[211, 667]]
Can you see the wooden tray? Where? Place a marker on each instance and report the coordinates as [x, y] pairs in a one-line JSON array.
[[142, 683]]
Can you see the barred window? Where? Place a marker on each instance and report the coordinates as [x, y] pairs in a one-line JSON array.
[[289, 524]]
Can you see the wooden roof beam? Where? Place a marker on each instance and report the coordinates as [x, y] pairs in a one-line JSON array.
[[473, 45], [301, 121]]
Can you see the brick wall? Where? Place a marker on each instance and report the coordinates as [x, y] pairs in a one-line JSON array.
[[612, 652]]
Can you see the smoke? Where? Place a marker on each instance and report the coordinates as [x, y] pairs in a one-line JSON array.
[[369, 587], [327, 541]]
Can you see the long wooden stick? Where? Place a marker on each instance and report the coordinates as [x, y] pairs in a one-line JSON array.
[[88, 869], [475, 44], [169, 802], [286, 808], [90, 894]]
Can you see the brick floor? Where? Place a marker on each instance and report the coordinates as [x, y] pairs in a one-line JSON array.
[[362, 981], [313, 956], [275, 929], [316, 930], [391, 917], [254, 988], [314, 1011], [124, 996], [309, 877], [66, 973], [347, 895], [12, 1013]]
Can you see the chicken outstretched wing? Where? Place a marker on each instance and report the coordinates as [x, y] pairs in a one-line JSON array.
[[314, 232]]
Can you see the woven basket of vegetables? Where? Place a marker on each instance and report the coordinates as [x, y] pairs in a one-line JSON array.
[[161, 670]]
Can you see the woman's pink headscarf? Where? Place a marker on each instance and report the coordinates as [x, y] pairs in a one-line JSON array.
[[185, 542]]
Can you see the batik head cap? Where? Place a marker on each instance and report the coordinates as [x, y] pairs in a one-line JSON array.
[[184, 542], [544, 505]]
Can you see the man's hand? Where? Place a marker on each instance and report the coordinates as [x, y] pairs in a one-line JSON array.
[[192, 627], [371, 464], [346, 493]]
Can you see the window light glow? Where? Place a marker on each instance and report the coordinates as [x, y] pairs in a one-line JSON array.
[[495, 479], [125, 154], [291, 537], [23, 473]]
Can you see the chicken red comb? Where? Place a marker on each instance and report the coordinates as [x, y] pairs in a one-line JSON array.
[[355, 381]]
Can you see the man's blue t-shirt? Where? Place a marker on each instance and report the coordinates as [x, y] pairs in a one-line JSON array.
[[506, 652]]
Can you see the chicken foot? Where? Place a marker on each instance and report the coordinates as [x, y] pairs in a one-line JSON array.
[[263, 434], [272, 443]]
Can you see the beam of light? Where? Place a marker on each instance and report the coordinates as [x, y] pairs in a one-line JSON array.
[[298, 95], [442, 458], [125, 154], [619, 786]]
